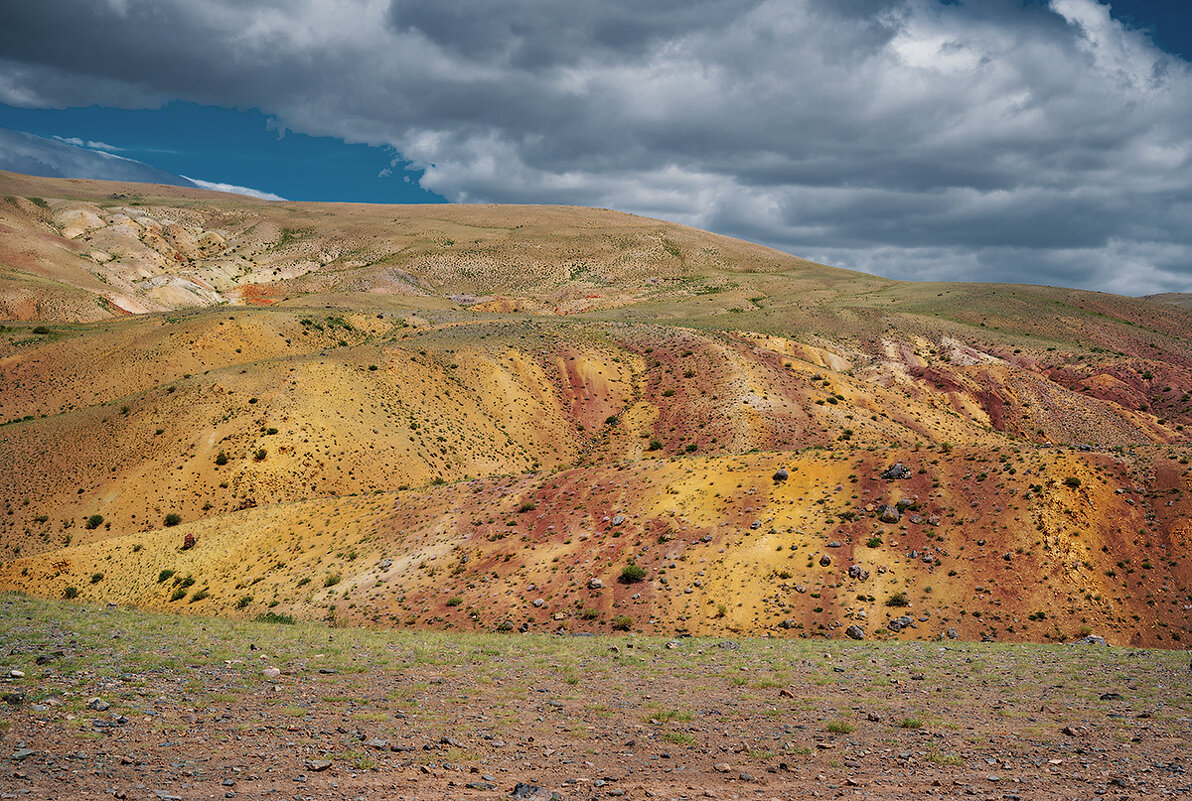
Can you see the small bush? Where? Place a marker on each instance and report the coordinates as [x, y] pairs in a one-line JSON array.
[[911, 723], [528, 506], [1072, 481], [243, 601], [273, 617], [221, 459], [841, 727], [41, 329], [898, 599], [590, 614], [163, 575], [622, 623], [93, 522], [260, 455], [611, 420], [655, 445], [874, 541], [455, 601], [96, 578], [70, 592], [178, 594], [691, 447], [270, 431], [173, 519], [331, 580], [200, 595], [632, 573]]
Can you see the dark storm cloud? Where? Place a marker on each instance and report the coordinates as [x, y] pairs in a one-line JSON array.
[[993, 140]]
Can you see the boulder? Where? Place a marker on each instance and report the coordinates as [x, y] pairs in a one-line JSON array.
[[889, 514], [781, 475], [855, 633], [896, 471]]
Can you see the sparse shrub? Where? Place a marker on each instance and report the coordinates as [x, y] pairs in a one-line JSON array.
[[163, 575], [632, 573], [691, 447], [260, 455], [841, 727], [874, 541], [331, 580], [173, 519], [96, 578], [41, 329], [528, 506], [590, 614], [611, 420], [455, 601], [622, 623], [221, 459], [898, 599], [911, 723], [270, 431], [721, 610], [655, 445], [1072, 481], [70, 592], [200, 595], [93, 522], [178, 594], [243, 601], [304, 581], [667, 393], [273, 617]]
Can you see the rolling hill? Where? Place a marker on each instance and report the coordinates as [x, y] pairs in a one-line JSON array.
[[477, 417]]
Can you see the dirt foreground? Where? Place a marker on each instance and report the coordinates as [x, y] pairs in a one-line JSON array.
[[107, 702]]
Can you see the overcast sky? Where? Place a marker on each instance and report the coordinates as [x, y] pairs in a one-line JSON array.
[[1007, 140]]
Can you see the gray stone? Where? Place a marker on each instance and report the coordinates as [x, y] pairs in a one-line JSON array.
[[781, 475], [855, 633], [889, 514], [825, 560], [896, 471]]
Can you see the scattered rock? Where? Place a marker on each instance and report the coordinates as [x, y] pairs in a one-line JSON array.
[[855, 633], [271, 673], [98, 705], [1092, 639], [825, 560], [858, 572], [952, 634], [317, 765], [722, 767], [1074, 731], [896, 471], [782, 474], [22, 754], [618, 520], [595, 584], [531, 792], [889, 513]]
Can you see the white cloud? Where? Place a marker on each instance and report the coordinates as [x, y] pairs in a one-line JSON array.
[[238, 190], [991, 140]]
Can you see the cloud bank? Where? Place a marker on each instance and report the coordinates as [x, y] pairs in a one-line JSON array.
[[978, 141]]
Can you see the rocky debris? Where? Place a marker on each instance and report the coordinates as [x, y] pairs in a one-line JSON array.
[[900, 623], [722, 767], [888, 513], [98, 705], [21, 754], [933, 520], [782, 474], [618, 520], [1074, 731], [271, 673], [858, 572], [855, 632], [14, 698], [834, 544], [595, 584], [1111, 696], [825, 560], [755, 525], [318, 765], [896, 471]]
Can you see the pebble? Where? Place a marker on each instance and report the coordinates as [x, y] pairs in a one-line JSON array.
[[271, 673]]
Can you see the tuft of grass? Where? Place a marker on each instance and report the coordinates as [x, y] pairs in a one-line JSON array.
[[841, 727], [911, 723]]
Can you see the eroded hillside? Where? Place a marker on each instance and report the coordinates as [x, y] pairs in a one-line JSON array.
[[440, 416]]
